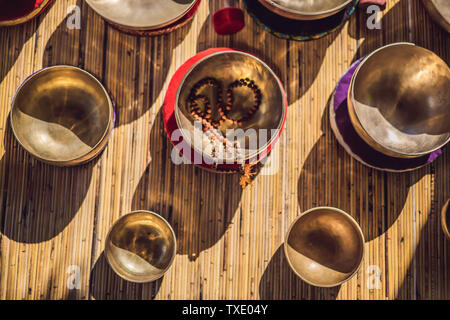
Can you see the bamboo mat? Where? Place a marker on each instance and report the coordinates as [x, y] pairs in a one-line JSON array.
[[54, 221]]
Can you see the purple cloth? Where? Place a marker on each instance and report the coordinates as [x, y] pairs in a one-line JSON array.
[[357, 145]]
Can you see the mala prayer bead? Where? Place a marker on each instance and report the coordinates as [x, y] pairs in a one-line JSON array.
[[194, 99], [210, 126]]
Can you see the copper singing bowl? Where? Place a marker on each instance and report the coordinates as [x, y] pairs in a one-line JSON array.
[[141, 14], [305, 9], [439, 11], [141, 246], [324, 247], [62, 115], [399, 100], [227, 67], [445, 219]]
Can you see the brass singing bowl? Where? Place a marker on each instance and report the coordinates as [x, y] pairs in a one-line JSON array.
[[141, 14], [305, 9], [62, 115], [324, 247], [227, 67], [399, 100], [439, 11], [141, 246], [445, 219]]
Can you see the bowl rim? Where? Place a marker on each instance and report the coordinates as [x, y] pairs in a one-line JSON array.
[[143, 28], [105, 134], [265, 65], [445, 226], [149, 213], [372, 140], [307, 14], [349, 218], [19, 20]]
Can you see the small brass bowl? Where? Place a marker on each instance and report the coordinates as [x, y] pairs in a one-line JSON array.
[[141, 246], [439, 11], [228, 66], [62, 115], [142, 14], [305, 9], [324, 247], [399, 101], [445, 219]]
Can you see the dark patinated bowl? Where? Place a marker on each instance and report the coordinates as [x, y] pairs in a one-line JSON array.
[[324, 247]]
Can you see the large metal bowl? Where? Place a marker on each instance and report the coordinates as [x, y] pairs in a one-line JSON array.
[[142, 14], [439, 11], [62, 115], [305, 9], [141, 246], [399, 100], [227, 66], [324, 247]]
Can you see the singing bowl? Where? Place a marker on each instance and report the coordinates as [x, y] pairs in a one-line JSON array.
[[227, 66], [62, 115], [439, 10], [141, 246], [445, 219], [20, 11], [141, 14], [324, 247], [399, 100], [305, 9]]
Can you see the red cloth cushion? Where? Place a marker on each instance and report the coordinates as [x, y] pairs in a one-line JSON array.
[[11, 10]]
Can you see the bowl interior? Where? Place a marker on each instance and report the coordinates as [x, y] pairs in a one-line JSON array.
[[226, 67], [141, 13], [308, 6], [401, 96], [325, 247], [141, 247], [60, 114]]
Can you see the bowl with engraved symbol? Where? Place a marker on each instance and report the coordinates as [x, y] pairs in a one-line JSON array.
[[141, 246]]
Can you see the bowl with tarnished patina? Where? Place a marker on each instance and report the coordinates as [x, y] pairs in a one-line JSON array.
[[143, 15], [141, 246], [324, 247], [399, 100], [256, 114], [62, 115], [305, 9]]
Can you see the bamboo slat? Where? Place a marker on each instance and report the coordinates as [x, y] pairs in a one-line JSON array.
[[230, 240]]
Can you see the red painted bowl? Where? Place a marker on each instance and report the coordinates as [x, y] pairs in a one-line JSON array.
[[20, 11]]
